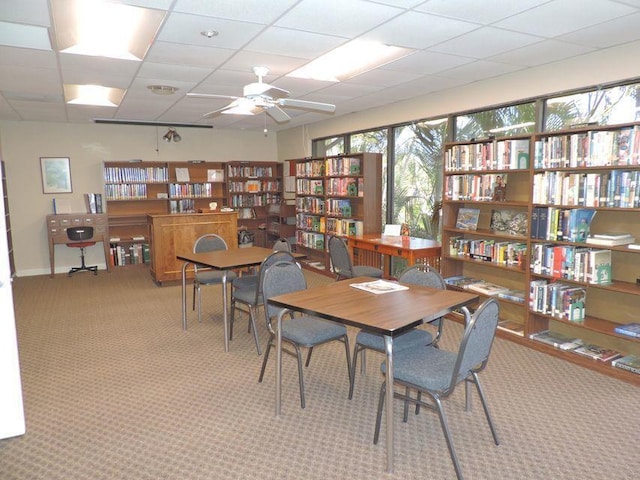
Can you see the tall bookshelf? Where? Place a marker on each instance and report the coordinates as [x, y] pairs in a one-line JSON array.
[[253, 188], [551, 178], [330, 200]]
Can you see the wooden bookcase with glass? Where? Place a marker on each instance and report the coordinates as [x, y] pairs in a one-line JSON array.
[[135, 189], [485, 211], [252, 188], [336, 195], [585, 257]]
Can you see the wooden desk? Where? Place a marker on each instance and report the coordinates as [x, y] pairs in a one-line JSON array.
[[388, 314], [57, 232], [222, 260], [367, 248]]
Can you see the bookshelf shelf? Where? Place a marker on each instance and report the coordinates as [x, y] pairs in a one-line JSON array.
[[593, 168]]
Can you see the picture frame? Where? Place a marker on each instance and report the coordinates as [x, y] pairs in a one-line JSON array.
[[56, 174]]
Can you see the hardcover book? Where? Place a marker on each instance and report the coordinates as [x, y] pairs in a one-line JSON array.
[[379, 286], [487, 288], [629, 329], [600, 267], [610, 242], [468, 219], [597, 352], [509, 221], [630, 363], [557, 340]]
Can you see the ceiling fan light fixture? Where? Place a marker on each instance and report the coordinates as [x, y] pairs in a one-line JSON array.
[[351, 59], [171, 135]]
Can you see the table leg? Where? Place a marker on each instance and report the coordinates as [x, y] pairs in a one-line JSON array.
[[388, 348], [279, 362], [225, 313], [184, 295]]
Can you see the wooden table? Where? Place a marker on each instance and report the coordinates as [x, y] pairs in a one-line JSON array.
[[413, 249], [221, 260], [388, 314]]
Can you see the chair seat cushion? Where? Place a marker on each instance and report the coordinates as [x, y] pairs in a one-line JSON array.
[[309, 331], [414, 337], [428, 368], [214, 276], [247, 295], [367, 271], [246, 281]]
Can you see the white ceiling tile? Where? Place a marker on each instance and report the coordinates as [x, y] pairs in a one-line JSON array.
[[25, 36], [259, 11], [294, 43], [477, 11], [43, 112], [540, 53], [480, 70], [425, 63], [399, 3], [277, 64], [348, 90], [194, 55], [33, 12], [300, 86], [27, 79], [614, 32], [485, 42], [172, 72], [418, 30], [337, 17], [563, 16], [27, 57], [157, 4], [382, 78]]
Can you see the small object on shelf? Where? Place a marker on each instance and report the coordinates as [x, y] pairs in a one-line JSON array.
[[631, 363], [629, 329], [563, 342], [468, 218], [610, 242], [500, 189], [487, 288], [597, 352], [182, 174], [509, 221]]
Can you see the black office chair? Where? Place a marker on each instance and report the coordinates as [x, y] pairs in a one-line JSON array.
[[81, 235]]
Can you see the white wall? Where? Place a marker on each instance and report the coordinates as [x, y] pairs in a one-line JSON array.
[[88, 145]]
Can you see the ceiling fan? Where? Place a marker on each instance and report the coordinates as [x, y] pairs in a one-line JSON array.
[[261, 97]]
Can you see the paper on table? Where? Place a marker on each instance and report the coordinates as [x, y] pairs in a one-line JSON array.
[[379, 286]]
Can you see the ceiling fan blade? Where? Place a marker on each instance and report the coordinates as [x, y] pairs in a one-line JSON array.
[[264, 90], [210, 95], [277, 114], [305, 105], [217, 112]]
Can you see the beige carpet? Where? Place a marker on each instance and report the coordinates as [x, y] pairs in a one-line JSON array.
[[114, 389]]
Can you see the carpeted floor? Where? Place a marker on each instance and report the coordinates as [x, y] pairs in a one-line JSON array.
[[114, 389]]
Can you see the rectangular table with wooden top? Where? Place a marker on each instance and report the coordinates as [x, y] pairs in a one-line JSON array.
[[387, 314], [415, 250]]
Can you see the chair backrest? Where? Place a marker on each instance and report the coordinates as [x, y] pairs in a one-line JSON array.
[[282, 245], [272, 259], [79, 233], [423, 275], [340, 259], [278, 279], [475, 346], [209, 243]]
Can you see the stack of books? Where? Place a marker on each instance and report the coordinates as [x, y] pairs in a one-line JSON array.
[[557, 340], [629, 329], [611, 239]]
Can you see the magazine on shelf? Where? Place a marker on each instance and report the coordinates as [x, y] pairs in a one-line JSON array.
[[597, 352], [468, 218], [630, 363], [487, 288], [610, 242], [629, 329], [557, 340], [380, 286]]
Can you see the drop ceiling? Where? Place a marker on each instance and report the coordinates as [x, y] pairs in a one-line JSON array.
[[455, 42]]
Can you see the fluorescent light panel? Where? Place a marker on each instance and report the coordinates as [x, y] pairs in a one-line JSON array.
[[95, 95], [105, 29], [349, 60]]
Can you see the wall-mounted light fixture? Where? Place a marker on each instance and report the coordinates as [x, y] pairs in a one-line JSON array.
[[171, 135]]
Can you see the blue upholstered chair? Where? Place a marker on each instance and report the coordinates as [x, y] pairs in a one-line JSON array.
[[341, 264], [435, 372], [297, 331]]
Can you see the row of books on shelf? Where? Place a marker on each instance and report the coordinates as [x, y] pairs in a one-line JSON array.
[[561, 224], [312, 223], [476, 187], [254, 200], [310, 239], [343, 166], [341, 226], [134, 254], [338, 207], [491, 155], [93, 202], [486, 288], [310, 205], [312, 168], [185, 205], [558, 300], [136, 174], [569, 262], [254, 186], [126, 191], [345, 187], [306, 186], [614, 189], [589, 149], [249, 171], [489, 250], [185, 190]]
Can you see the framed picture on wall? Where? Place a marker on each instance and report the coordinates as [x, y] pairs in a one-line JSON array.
[[56, 174]]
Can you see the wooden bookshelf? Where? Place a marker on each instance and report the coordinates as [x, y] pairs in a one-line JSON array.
[[330, 197], [550, 181]]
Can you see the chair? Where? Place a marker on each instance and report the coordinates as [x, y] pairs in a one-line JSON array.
[[297, 331], [436, 372], [282, 245], [417, 275], [205, 276], [81, 235], [250, 280], [341, 264], [252, 297]]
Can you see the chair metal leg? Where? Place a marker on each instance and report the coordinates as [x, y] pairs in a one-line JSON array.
[[476, 380], [252, 323], [300, 375], [232, 315], [405, 414], [306, 364], [363, 361], [266, 357], [447, 436], [346, 347], [376, 434], [352, 379], [199, 304]]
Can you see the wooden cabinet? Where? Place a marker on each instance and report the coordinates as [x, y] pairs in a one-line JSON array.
[[336, 195], [171, 234], [526, 239]]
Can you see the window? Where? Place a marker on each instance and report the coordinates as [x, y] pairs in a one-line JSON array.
[[500, 122], [608, 106], [328, 146]]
